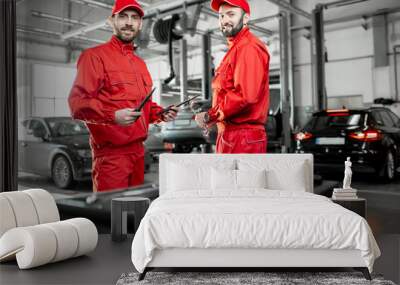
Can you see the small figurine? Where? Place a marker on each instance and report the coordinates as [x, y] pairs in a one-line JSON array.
[[347, 174]]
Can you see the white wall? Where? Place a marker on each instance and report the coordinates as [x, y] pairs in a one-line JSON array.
[[51, 85], [349, 70], [34, 82]]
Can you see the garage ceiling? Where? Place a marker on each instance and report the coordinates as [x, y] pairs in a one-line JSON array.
[[47, 21]]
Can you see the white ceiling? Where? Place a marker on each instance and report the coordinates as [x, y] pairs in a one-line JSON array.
[[40, 27]]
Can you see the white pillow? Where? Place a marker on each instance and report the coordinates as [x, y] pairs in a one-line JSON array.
[[251, 178], [223, 179], [188, 177], [291, 178], [281, 174]]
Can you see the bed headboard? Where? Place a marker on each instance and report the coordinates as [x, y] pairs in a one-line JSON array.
[[239, 161], [283, 163]]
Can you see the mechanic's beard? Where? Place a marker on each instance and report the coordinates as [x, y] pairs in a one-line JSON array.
[[126, 39], [235, 30]]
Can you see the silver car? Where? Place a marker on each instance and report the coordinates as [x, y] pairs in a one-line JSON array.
[[183, 132]]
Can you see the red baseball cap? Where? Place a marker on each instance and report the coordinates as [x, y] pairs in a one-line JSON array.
[[237, 3], [121, 5]]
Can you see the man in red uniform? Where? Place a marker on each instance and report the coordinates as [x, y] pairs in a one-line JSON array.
[[111, 82], [240, 86]]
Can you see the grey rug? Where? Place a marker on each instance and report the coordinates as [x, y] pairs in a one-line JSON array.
[[243, 278]]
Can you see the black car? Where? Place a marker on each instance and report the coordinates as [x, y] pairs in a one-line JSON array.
[[370, 137], [57, 147], [155, 144], [274, 124]]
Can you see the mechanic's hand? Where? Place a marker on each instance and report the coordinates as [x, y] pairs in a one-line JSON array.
[[127, 116], [171, 114], [200, 120], [193, 106]]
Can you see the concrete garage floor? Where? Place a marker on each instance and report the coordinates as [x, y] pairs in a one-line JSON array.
[[383, 210]]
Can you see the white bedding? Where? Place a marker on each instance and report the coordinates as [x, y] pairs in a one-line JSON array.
[[251, 218]]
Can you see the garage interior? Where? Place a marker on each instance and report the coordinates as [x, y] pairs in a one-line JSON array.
[[325, 54]]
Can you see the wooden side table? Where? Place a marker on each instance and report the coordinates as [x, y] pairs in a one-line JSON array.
[[358, 206], [119, 215]]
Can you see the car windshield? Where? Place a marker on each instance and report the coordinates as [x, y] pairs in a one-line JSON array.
[[321, 122], [66, 127]]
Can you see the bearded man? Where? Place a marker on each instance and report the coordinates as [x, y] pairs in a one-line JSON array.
[[110, 83], [240, 85]]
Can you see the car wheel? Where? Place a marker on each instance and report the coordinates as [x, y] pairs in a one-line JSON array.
[[61, 172], [388, 170], [183, 148]]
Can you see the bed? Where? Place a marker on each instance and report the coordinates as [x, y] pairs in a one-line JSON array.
[[245, 210]]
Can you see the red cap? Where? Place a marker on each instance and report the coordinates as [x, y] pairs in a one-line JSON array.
[[237, 3], [121, 5]]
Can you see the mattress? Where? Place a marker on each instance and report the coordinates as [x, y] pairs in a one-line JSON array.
[[251, 219]]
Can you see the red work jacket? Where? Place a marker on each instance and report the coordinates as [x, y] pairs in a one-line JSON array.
[[111, 77], [241, 84]]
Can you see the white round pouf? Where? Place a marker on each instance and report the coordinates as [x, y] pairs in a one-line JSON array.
[[7, 220], [23, 208], [87, 233], [32, 246], [67, 240], [45, 205], [31, 231]]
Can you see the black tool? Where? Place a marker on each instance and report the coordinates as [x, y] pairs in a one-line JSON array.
[[180, 104], [140, 107]]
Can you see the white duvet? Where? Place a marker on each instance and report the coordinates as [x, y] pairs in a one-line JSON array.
[[253, 218]]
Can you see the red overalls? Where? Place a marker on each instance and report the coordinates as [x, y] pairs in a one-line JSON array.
[[111, 77], [241, 96]]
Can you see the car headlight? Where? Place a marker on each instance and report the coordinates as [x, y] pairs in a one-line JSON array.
[[85, 153]]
